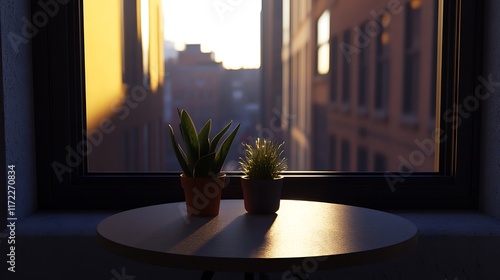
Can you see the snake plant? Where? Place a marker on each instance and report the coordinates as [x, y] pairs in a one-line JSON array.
[[203, 157]]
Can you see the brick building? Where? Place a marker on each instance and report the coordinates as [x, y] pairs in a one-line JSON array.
[[359, 79]]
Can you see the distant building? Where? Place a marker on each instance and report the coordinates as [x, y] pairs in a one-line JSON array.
[[196, 83], [199, 84]]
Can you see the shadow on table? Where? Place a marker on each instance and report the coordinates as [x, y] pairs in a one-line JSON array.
[[244, 237]]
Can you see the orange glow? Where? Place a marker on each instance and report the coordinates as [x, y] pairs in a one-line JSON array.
[[416, 4], [103, 58], [385, 38]]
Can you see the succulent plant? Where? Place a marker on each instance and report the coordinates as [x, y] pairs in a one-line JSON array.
[[263, 160], [203, 157]]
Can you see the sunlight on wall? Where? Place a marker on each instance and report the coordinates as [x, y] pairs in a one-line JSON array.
[[103, 58]]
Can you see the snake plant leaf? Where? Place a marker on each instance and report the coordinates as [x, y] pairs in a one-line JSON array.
[[219, 135], [179, 153], [203, 166], [203, 158], [221, 155], [190, 137], [204, 138]]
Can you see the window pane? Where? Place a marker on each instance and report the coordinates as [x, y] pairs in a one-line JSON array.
[[257, 63]]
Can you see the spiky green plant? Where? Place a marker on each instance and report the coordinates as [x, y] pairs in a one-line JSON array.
[[263, 160], [203, 157]]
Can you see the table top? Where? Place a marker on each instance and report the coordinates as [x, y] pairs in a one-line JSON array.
[[335, 235]]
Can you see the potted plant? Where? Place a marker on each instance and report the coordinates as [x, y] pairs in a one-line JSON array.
[[201, 161], [262, 183]]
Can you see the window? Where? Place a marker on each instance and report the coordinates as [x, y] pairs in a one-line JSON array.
[[345, 150], [412, 58], [382, 80], [323, 43], [364, 82], [333, 152], [346, 74], [447, 180], [380, 162], [363, 159], [334, 73]]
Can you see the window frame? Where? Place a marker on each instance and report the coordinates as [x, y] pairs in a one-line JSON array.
[[59, 118]]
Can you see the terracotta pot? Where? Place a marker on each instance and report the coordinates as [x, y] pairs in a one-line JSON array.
[[203, 195], [262, 196]]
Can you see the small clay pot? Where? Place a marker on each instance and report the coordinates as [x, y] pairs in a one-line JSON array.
[[203, 195]]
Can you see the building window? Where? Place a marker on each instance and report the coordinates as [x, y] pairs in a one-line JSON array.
[[362, 159], [323, 43], [380, 162], [345, 151], [333, 152], [346, 73], [382, 67], [334, 69], [412, 58], [364, 81]]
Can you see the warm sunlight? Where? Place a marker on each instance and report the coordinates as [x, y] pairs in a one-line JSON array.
[[230, 29], [103, 58]]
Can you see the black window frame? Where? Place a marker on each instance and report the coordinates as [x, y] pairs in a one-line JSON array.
[[59, 107]]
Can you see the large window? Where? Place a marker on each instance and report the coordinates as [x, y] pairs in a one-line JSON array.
[[116, 76]]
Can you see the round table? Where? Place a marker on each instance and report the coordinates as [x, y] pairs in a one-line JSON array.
[[302, 234]]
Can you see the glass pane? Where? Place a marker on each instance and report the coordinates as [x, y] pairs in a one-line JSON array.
[[256, 63]]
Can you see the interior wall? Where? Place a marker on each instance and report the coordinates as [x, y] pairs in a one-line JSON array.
[[3, 177], [490, 125], [18, 102]]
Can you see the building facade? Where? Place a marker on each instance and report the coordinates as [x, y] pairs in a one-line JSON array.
[[359, 79]]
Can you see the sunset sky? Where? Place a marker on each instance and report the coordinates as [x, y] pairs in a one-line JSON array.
[[229, 28]]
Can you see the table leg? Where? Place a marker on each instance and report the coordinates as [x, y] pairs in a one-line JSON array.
[[207, 275], [249, 276]]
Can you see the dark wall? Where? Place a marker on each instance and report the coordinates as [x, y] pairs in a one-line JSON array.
[[18, 103]]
